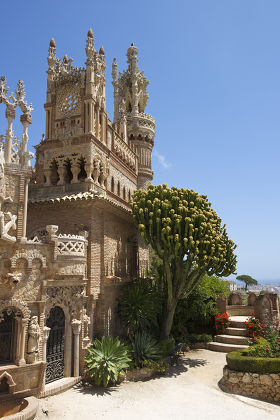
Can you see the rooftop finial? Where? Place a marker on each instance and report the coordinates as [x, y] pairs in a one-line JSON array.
[[101, 51], [90, 33], [52, 43]]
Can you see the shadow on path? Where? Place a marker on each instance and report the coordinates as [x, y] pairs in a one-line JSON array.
[[184, 364], [94, 389]]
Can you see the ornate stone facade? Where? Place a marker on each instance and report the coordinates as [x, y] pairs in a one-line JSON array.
[[65, 262]]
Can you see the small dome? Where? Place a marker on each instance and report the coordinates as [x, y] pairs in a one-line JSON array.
[[90, 33], [101, 51], [52, 43]]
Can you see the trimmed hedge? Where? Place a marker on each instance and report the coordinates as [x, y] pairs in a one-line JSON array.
[[239, 361]]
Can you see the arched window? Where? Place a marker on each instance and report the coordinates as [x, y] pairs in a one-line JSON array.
[[119, 188], [112, 185], [7, 328], [129, 195], [124, 194]]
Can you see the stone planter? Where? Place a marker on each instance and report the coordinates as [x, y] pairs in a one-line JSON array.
[[264, 386]]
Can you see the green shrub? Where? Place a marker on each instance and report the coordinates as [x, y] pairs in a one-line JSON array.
[[144, 347], [139, 307], [106, 360], [199, 338], [159, 366], [239, 361]]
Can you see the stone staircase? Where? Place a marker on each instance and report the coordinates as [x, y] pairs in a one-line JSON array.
[[235, 337]]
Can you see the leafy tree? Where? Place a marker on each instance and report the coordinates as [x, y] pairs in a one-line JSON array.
[[248, 280], [196, 311], [187, 235]]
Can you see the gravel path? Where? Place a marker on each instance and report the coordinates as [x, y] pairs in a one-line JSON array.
[[189, 391]]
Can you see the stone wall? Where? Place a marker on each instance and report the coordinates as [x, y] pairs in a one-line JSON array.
[[261, 386]]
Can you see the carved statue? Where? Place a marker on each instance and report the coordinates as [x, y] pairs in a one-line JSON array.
[[33, 340], [86, 320]]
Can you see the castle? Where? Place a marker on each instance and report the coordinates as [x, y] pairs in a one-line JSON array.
[[68, 245]]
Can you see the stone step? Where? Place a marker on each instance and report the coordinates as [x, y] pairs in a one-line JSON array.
[[225, 348], [237, 331], [231, 339], [238, 321]]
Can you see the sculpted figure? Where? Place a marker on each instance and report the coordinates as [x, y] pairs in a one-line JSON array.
[[33, 340]]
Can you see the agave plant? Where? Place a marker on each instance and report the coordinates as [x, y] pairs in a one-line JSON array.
[[106, 360], [145, 347], [139, 307]]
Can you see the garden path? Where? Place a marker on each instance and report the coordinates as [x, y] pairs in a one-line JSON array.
[[188, 391]]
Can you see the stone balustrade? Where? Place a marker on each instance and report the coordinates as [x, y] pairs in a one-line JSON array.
[[71, 245], [124, 152]]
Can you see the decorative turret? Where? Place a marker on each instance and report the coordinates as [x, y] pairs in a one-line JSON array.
[[130, 100]]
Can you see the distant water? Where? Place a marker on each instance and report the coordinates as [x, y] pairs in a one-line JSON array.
[[274, 282]]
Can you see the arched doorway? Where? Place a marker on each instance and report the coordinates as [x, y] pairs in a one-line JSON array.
[[7, 325], [55, 345]]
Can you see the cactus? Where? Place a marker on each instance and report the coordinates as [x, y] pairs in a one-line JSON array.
[[188, 236]]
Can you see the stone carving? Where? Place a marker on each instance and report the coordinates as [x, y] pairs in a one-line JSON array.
[[86, 321], [29, 255], [68, 101], [72, 270], [12, 279], [33, 340], [70, 298]]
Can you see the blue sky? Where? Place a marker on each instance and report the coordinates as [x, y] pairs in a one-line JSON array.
[[214, 71]]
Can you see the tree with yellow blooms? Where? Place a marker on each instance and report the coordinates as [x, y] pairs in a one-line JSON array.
[[188, 237]]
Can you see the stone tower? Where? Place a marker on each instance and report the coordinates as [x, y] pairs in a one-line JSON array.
[[87, 169], [130, 100]]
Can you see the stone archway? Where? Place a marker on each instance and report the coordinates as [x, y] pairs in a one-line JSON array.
[[55, 345]]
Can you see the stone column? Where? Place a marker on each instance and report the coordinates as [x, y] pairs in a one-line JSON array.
[[26, 120], [46, 333], [47, 173], [96, 170], [61, 172], [89, 169], [24, 323], [76, 327], [97, 122], [75, 168], [10, 115]]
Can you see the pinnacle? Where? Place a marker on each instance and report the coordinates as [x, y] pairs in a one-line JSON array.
[[90, 33], [52, 43]]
